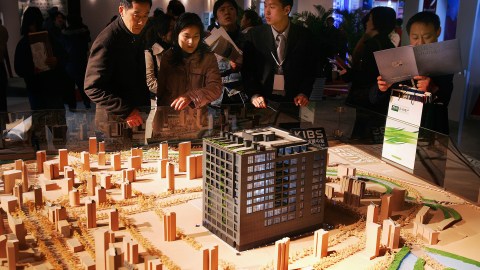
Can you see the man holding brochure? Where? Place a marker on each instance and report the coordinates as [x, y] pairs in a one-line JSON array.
[[424, 28], [278, 59]]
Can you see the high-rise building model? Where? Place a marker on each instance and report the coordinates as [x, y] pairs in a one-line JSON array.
[[261, 185]]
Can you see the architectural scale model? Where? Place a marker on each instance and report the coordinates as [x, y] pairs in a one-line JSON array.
[[261, 185], [278, 201]]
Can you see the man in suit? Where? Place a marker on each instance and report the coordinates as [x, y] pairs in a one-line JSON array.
[[278, 59]]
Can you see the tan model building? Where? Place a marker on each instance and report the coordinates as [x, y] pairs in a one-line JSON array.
[[51, 170], [106, 180], [130, 249], [320, 243], [102, 159], [386, 207], [12, 254], [91, 213], [372, 247], [91, 184], [135, 162], [116, 162], [171, 177], [184, 150], [38, 196], [114, 258], [9, 178], [92, 145], [41, 157], [85, 160], [102, 239], [113, 219], [390, 234], [282, 251], [372, 213], [170, 227], [398, 198], [126, 190], [63, 158], [101, 147], [163, 151], [163, 168], [74, 198]]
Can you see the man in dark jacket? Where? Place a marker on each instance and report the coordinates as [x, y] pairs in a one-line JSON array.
[[115, 78], [278, 59]]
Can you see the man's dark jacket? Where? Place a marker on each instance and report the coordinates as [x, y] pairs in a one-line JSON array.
[[116, 76], [259, 67]]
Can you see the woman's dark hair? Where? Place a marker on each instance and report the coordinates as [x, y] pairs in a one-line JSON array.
[[32, 16], [158, 28], [175, 8], [384, 19], [253, 17], [187, 20]]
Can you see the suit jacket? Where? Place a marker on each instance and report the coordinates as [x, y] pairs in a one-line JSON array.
[[259, 67]]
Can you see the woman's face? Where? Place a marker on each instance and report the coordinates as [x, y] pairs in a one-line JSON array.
[[189, 38]]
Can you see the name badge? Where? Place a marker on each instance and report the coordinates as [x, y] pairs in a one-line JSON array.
[[279, 82]]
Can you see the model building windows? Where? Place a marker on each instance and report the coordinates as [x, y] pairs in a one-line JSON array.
[[271, 156], [250, 160], [250, 169], [249, 210], [269, 166], [269, 182], [258, 192], [249, 194], [259, 158], [259, 168], [259, 184]]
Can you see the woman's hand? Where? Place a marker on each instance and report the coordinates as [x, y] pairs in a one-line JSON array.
[[180, 103]]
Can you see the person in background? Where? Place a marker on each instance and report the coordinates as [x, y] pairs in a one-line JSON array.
[[42, 77], [213, 24], [175, 8], [3, 72], [77, 40], [250, 19], [225, 13], [279, 61], [189, 75], [370, 116], [158, 41], [424, 28], [115, 78], [43, 88]]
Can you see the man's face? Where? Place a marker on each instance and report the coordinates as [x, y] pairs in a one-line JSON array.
[[275, 12], [226, 15], [421, 33], [136, 17]]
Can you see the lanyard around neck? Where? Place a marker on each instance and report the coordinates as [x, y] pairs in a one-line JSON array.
[[276, 61]]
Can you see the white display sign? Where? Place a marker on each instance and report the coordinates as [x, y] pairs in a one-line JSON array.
[[401, 130]]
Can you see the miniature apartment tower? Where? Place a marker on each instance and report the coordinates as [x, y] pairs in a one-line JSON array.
[[282, 248], [170, 227], [386, 207], [320, 245], [372, 213], [210, 258], [372, 249], [352, 190], [398, 198], [262, 182], [390, 234]]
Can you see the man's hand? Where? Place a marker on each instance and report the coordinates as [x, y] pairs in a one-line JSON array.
[[382, 85], [425, 84], [180, 103], [134, 119], [301, 100], [259, 102]]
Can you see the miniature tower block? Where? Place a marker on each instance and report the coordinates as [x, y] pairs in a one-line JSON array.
[[18, 192], [163, 167], [18, 165], [372, 213], [68, 172], [130, 248], [170, 227], [171, 177], [135, 162], [210, 258], [91, 211], [320, 245], [12, 254], [100, 195], [137, 152], [282, 248], [129, 175], [390, 234], [101, 147], [116, 162], [398, 198], [92, 145], [25, 177], [102, 239], [386, 208], [63, 156], [126, 190], [164, 151], [91, 184], [74, 198], [41, 157], [9, 178], [106, 181], [38, 196], [113, 220], [102, 159], [114, 258], [372, 249], [155, 264], [51, 170], [85, 159], [184, 150]]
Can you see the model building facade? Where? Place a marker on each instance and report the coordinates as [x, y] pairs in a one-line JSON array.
[[262, 185]]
